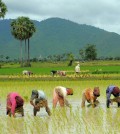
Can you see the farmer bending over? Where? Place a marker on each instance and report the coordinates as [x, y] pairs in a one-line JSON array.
[[14, 104], [40, 101], [60, 94], [115, 91], [90, 95]]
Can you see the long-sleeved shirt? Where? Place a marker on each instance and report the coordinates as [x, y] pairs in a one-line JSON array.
[[109, 91], [11, 102]]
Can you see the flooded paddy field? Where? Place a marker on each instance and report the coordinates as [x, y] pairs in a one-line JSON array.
[[74, 120], [63, 120]]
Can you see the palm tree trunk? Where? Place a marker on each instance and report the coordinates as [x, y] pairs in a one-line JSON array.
[[28, 53], [21, 54], [25, 52]]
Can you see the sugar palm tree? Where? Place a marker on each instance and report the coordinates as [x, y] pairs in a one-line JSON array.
[[17, 31], [23, 29], [30, 30], [3, 9]]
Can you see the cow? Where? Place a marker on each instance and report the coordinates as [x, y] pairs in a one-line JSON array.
[[26, 72], [60, 73], [53, 72]]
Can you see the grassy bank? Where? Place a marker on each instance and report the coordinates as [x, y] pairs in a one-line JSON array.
[[44, 68]]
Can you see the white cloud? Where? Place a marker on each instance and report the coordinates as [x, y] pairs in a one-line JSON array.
[[100, 13]]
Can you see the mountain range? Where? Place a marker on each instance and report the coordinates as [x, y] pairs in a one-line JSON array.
[[58, 36]]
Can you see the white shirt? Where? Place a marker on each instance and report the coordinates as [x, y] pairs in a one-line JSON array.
[[77, 68], [41, 94], [62, 90]]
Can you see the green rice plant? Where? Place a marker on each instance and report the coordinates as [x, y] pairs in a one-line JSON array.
[[85, 121], [44, 68], [63, 120], [24, 88]]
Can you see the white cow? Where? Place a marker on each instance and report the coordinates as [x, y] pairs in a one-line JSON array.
[[26, 72]]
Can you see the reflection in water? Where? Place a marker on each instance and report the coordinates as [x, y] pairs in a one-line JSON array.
[[63, 120]]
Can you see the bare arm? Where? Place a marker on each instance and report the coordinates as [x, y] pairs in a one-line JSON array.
[[66, 102], [31, 102]]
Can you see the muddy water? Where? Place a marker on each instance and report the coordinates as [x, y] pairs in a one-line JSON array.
[[83, 121], [28, 109]]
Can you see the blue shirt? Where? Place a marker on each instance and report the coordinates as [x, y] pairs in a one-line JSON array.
[[109, 91]]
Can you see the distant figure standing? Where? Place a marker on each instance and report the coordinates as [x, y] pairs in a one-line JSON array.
[[77, 69]]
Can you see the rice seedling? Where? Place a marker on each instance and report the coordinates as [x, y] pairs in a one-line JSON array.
[[63, 120]]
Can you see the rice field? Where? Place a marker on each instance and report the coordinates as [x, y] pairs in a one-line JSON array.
[[44, 68], [74, 120]]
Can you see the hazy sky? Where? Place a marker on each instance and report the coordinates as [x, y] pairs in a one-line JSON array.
[[104, 14]]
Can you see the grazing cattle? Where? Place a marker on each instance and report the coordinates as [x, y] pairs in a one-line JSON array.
[[26, 72], [53, 72], [61, 73]]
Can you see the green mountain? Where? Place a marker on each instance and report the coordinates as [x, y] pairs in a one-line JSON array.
[[58, 36]]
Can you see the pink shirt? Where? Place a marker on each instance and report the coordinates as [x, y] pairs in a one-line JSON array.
[[11, 101]]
